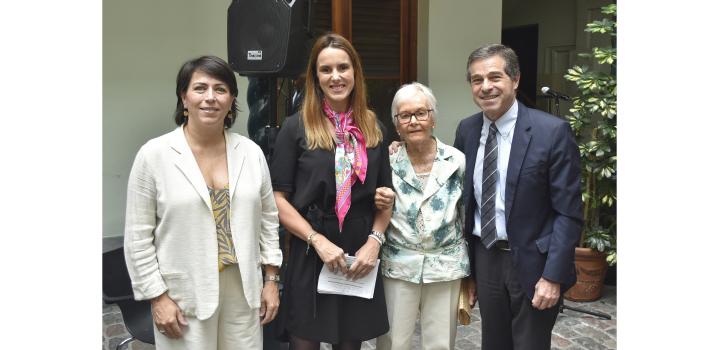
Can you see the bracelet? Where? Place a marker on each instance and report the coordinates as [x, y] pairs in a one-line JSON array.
[[376, 238], [309, 242], [379, 235]]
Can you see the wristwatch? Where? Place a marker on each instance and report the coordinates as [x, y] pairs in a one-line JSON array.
[[274, 278], [379, 236]]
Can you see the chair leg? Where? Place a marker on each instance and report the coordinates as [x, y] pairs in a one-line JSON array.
[[124, 343]]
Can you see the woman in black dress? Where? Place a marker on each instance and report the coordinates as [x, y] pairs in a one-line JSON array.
[[328, 161]]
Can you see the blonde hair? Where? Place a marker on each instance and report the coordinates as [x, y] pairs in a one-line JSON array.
[[317, 132]]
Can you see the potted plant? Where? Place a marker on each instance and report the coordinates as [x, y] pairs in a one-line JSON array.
[[593, 118]]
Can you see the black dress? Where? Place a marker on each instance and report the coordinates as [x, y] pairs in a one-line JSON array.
[[309, 179]]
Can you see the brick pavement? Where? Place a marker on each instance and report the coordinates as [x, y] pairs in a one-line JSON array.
[[573, 330]]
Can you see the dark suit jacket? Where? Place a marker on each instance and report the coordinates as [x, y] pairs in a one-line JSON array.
[[543, 205]]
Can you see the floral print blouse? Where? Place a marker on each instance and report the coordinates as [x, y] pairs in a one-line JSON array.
[[435, 251]]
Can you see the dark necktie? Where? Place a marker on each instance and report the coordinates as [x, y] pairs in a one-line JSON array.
[[488, 232]]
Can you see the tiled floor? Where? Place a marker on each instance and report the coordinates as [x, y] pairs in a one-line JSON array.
[[573, 330]]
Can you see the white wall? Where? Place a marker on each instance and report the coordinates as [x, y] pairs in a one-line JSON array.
[[453, 29], [144, 45]]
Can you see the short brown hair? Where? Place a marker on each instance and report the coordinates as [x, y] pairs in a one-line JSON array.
[[512, 64]]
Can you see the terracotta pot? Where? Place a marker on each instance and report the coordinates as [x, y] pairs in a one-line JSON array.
[[591, 268]]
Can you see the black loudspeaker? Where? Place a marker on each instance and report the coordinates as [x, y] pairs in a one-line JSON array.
[[269, 37]]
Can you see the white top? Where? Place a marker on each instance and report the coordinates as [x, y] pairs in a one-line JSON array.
[[506, 128]]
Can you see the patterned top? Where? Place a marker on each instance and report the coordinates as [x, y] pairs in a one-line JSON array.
[[420, 221], [435, 250], [221, 211]]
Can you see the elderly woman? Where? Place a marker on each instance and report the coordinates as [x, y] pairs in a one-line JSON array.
[[425, 256], [328, 161], [201, 221]]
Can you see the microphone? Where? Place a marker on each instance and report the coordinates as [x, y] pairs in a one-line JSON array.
[[548, 91]]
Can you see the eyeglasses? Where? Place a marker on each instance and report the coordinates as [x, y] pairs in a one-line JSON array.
[[420, 114]]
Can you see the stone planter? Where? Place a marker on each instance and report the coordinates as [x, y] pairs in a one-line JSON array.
[[591, 267]]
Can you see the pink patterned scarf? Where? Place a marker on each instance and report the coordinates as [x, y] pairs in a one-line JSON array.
[[350, 158]]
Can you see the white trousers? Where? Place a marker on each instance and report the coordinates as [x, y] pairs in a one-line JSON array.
[[436, 304], [234, 325]]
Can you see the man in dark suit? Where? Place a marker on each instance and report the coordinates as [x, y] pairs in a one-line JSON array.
[[523, 205]]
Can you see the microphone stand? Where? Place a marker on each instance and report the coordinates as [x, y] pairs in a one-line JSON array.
[[562, 304], [555, 103], [556, 97], [583, 311], [556, 100]]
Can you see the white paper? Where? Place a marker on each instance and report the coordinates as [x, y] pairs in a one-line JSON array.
[[336, 283]]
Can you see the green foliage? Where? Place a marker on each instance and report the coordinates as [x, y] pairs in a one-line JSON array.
[[599, 239], [593, 117]]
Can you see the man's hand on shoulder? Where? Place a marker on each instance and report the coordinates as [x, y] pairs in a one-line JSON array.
[[395, 146]]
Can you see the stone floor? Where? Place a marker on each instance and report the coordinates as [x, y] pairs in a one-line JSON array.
[[573, 330]]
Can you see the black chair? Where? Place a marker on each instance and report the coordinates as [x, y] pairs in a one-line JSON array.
[[118, 290]]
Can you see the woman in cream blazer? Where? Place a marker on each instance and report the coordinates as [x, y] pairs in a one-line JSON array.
[[174, 250]]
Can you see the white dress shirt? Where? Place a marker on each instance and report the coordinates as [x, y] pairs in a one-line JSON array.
[[506, 127]]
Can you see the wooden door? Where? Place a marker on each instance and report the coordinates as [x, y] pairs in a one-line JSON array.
[[384, 32]]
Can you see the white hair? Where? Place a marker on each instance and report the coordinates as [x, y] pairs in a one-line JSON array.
[[408, 91]]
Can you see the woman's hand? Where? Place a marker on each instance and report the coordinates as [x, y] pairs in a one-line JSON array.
[[269, 302], [167, 316], [365, 259], [384, 198], [330, 254]]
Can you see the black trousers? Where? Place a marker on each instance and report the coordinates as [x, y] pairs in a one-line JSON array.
[[509, 321]]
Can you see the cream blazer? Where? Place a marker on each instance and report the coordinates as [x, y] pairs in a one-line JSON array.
[[170, 236]]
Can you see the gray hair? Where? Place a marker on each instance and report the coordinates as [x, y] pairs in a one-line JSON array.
[[409, 90], [512, 64]]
